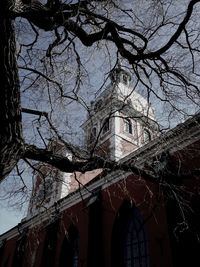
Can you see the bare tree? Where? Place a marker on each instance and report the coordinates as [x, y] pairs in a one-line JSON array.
[[57, 42]]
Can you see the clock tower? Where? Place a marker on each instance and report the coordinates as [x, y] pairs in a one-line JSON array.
[[120, 120]]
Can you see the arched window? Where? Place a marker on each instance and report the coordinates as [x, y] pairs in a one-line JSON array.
[[128, 126], [70, 248], [147, 136], [94, 132], [125, 79], [129, 241], [49, 252], [20, 249], [135, 243], [129, 102], [93, 135], [105, 126]]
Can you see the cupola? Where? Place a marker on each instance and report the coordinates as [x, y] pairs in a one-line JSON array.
[[120, 119], [119, 75]]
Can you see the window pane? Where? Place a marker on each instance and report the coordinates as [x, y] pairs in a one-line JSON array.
[[147, 136], [105, 126], [135, 247], [128, 126]]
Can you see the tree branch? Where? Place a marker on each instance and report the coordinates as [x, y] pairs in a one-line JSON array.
[[65, 165]]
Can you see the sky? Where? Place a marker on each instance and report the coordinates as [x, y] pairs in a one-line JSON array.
[[9, 218], [13, 203]]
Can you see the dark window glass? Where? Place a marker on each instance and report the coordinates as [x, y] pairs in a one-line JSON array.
[[128, 126], [135, 243], [93, 135], [125, 79], [70, 248], [106, 126], [94, 132], [147, 136], [98, 105], [49, 252], [129, 241], [20, 250]]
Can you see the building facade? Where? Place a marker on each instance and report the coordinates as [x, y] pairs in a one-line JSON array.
[[116, 218]]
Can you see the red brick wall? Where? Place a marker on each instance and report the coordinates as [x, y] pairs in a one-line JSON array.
[[142, 194]]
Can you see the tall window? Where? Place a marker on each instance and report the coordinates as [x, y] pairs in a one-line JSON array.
[[94, 132], [125, 79], [49, 252], [93, 135], [20, 250], [105, 126], [135, 243], [128, 126], [70, 248], [129, 242], [147, 136]]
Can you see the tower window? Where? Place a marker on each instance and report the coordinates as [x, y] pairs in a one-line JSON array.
[[125, 79], [105, 126], [147, 136], [129, 102], [128, 126], [45, 191], [98, 105], [93, 135], [94, 132]]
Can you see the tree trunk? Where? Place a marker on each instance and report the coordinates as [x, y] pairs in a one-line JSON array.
[[10, 110]]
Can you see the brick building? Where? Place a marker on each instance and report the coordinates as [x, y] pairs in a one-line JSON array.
[[116, 218]]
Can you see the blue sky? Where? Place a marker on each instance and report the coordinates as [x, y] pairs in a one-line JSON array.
[[9, 218], [13, 201]]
